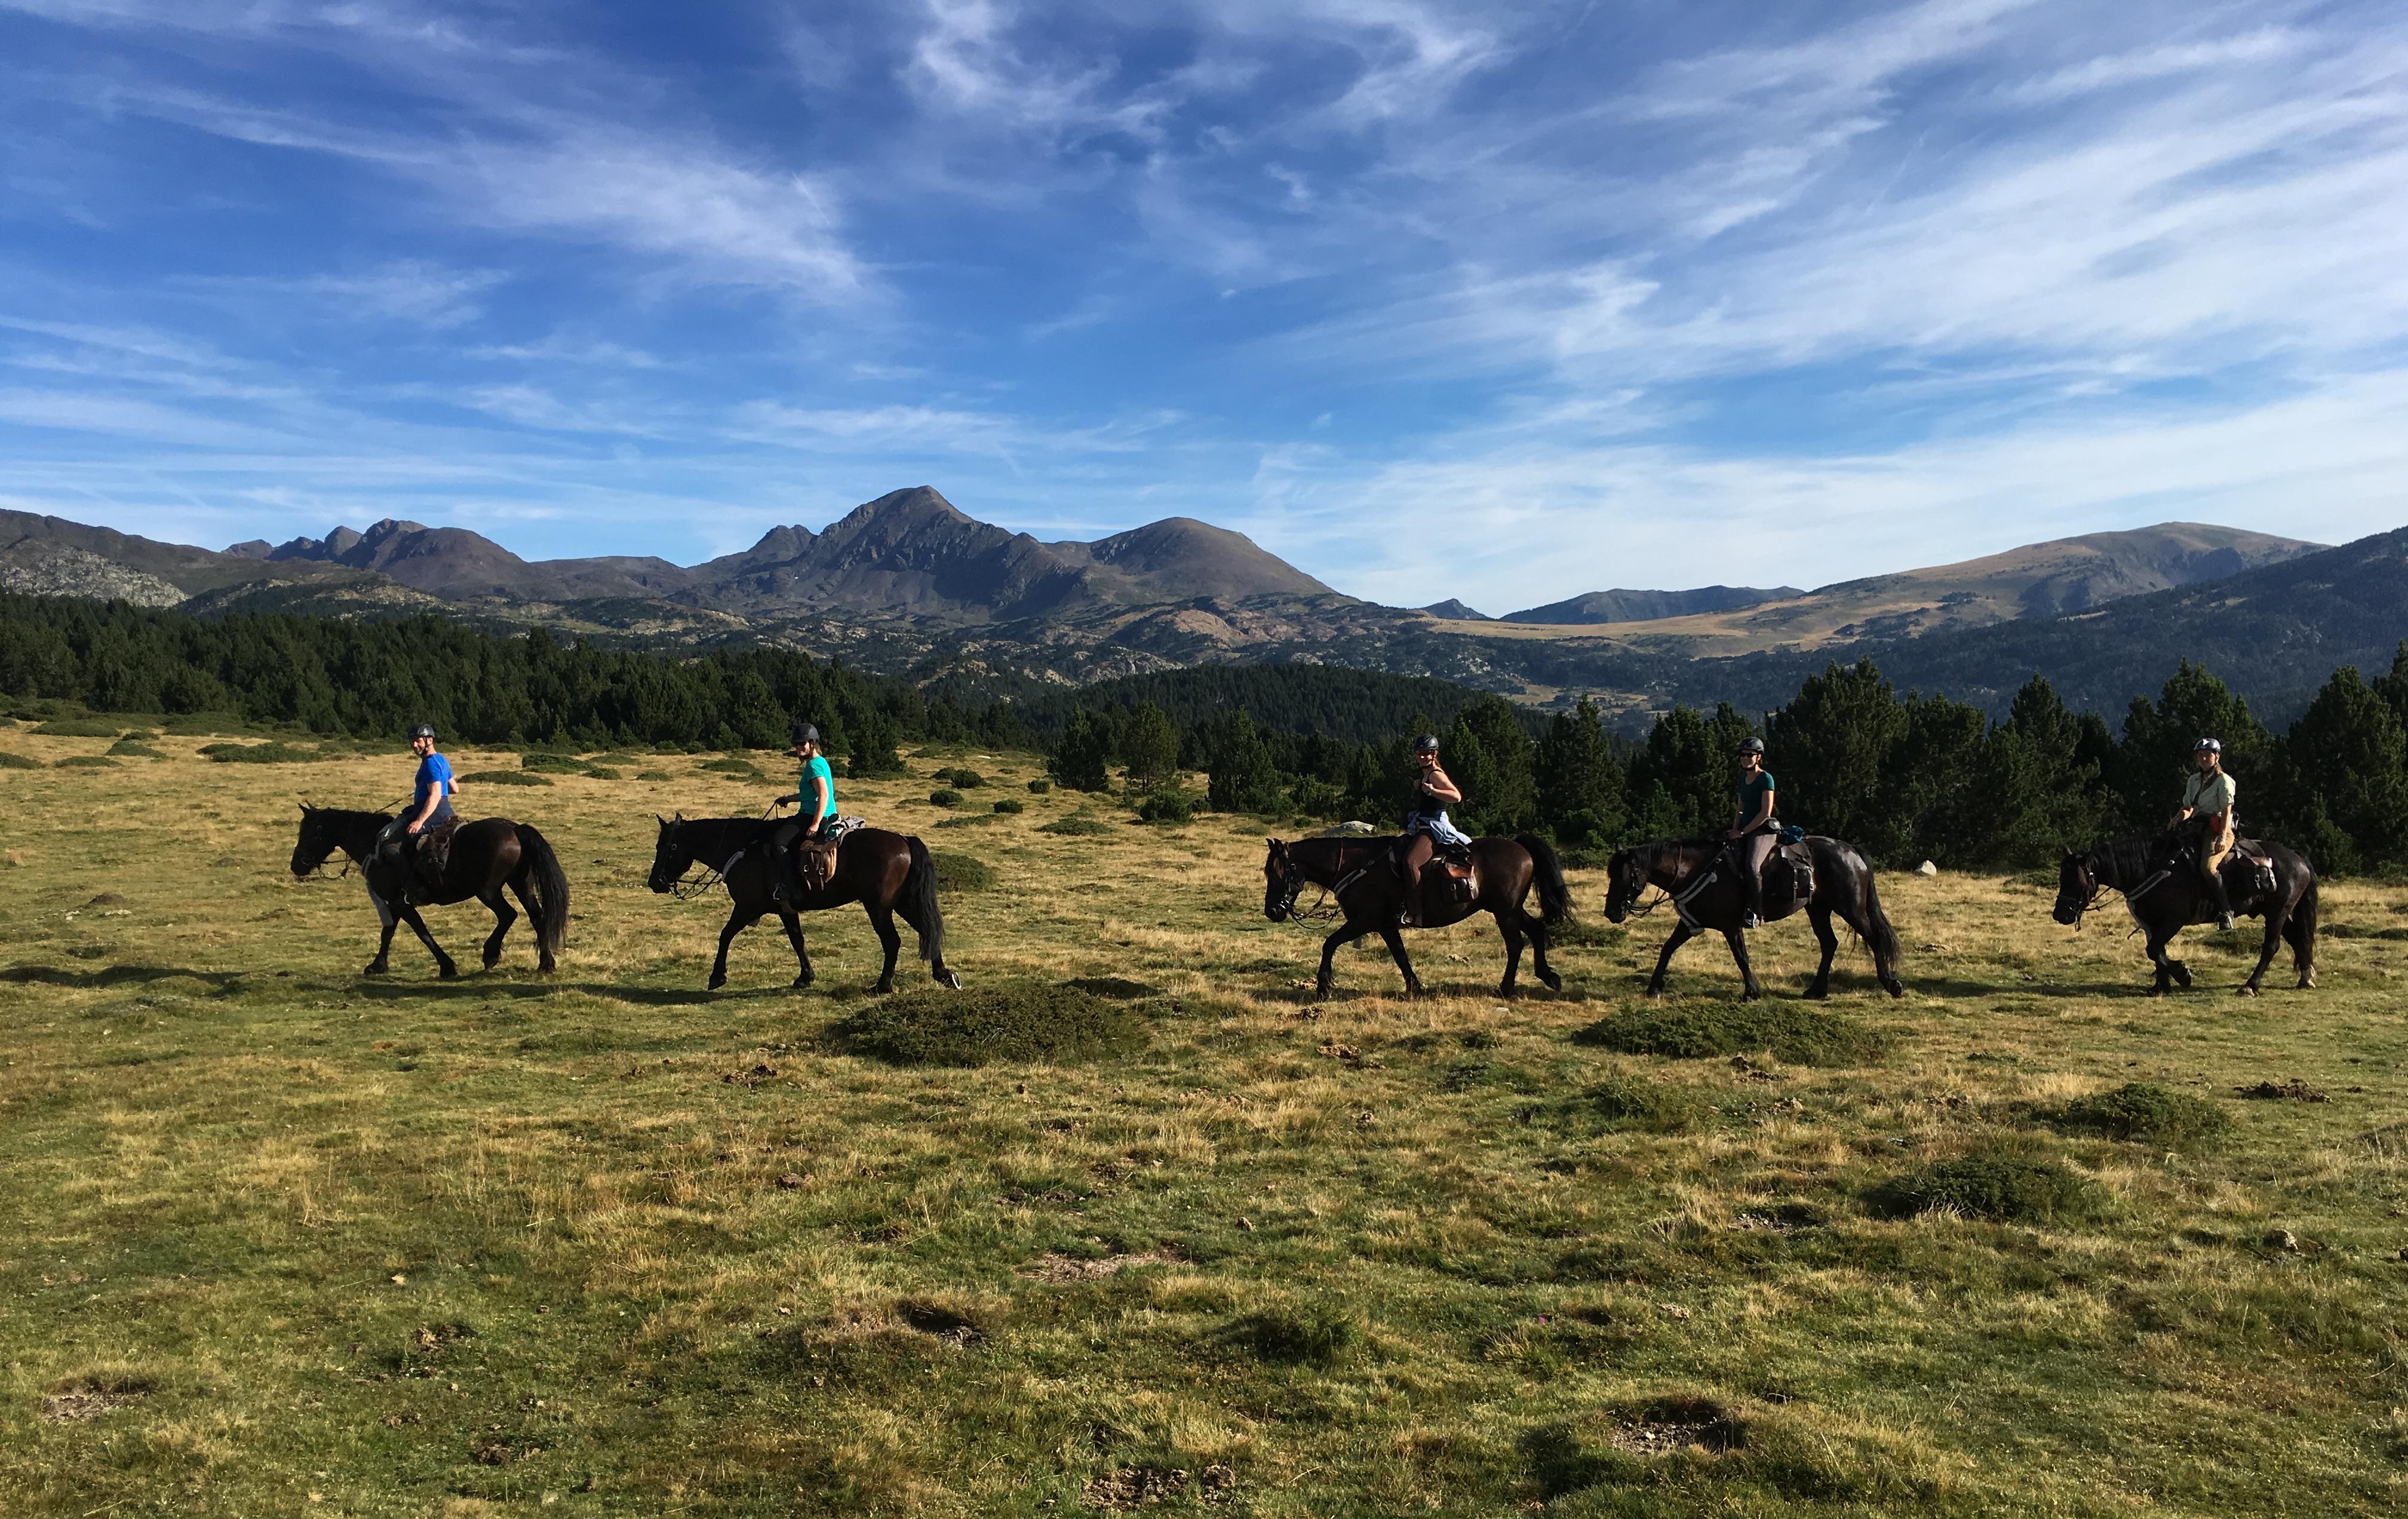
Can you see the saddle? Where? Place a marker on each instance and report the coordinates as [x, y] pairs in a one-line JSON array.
[[1788, 879], [428, 855], [815, 858], [1449, 875]]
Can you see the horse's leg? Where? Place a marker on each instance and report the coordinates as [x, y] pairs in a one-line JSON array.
[[1394, 939], [382, 963], [1737, 942], [1680, 935], [2277, 914], [2164, 963], [793, 926], [519, 882], [443, 966], [503, 917], [1537, 928], [1511, 931], [1820, 918], [882, 919], [739, 918], [2300, 929], [1345, 933]]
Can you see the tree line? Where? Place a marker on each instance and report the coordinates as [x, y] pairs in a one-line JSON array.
[[1908, 778]]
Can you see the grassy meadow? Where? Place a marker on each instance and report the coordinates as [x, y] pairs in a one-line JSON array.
[[286, 1240]]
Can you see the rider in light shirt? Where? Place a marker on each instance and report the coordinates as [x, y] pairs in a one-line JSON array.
[[2208, 795]]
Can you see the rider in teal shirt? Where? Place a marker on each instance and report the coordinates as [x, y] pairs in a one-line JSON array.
[[817, 796]]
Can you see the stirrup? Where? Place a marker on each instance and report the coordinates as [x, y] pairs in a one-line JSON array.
[[1750, 920]]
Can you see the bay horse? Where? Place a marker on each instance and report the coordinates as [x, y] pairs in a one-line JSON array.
[[887, 873], [486, 856], [1703, 885], [2163, 892], [1359, 876]]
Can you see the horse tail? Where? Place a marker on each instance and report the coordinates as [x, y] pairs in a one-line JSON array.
[[2301, 928], [918, 903], [547, 889], [1555, 898], [1883, 937]]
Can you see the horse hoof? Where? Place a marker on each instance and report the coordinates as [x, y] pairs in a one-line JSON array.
[[799, 983], [1894, 989], [2307, 984], [1555, 982], [447, 973], [1508, 993], [950, 981], [882, 988], [2244, 990], [715, 984], [1817, 994], [377, 970]]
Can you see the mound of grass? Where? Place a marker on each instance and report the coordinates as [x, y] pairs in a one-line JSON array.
[[1314, 1338], [944, 796], [1167, 806], [961, 872], [601, 772], [1634, 1102], [81, 727], [270, 753], [1040, 786], [616, 757], [1076, 826], [654, 775], [552, 764], [502, 778], [1120, 988], [2013, 1188], [966, 780], [18, 762], [1791, 1032], [1011, 1021], [725, 765], [130, 747], [2138, 1110], [87, 762], [1010, 804]]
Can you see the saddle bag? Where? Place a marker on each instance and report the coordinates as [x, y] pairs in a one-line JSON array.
[[1451, 877], [1789, 875]]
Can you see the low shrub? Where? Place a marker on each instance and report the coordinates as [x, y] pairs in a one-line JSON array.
[[1040, 786], [87, 762], [654, 775], [601, 772], [81, 727], [18, 762], [944, 796], [2013, 1188], [1791, 1032], [1010, 804], [1633, 1102], [130, 747], [961, 872], [2139, 1110], [967, 779], [554, 764], [968, 820], [1167, 807], [725, 765], [1076, 826], [1011, 1021], [504, 778], [271, 752]]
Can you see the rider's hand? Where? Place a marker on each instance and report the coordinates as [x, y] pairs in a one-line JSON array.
[[414, 826]]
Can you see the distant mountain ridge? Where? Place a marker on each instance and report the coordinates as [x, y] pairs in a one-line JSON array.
[[1622, 606]]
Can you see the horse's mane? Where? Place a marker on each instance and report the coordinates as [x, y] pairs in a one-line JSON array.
[[720, 837], [2128, 858]]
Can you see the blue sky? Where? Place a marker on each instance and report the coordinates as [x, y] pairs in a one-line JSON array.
[[1500, 301]]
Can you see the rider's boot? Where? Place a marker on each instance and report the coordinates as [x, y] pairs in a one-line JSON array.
[[2223, 901], [780, 878], [1754, 885]]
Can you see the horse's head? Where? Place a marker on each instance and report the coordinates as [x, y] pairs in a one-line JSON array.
[[2077, 888], [1282, 878], [672, 854], [319, 838], [1625, 877]]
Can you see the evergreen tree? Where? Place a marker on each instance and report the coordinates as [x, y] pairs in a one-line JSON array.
[[1244, 779], [1149, 748], [1506, 799], [2155, 757], [1690, 758], [2040, 778], [1581, 787], [873, 747], [1931, 804], [2346, 778], [1831, 751], [1082, 760]]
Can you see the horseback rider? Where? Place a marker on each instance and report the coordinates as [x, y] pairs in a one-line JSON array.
[[817, 789], [1426, 824], [1753, 833], [430, 802], [2207, 807]]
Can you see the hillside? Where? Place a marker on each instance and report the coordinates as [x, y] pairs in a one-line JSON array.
[[1624, 606]]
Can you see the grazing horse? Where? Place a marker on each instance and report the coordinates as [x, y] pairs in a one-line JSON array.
[[1358, 874], [486, 856], [2165, 895], [1705, 892], [887, 873]]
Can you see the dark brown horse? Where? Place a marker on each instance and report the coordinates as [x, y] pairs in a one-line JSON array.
[[1702, 883], [2162, 890], [1359, 876], [887, 873], [486, 856]]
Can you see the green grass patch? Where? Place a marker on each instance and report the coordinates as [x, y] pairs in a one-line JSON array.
[[81, 727], [961, 872], [1317, 1338], [732, 766], [1010, 804], [18, 762], [1791, 1032], [2139, 1110], [944, 796], [1632, 1102], [1077, 826], [552, 764], [1009, 1022], [271, 752], [130, 747], [2021, 1189], [87, 762], [504, 778], [654, 775]]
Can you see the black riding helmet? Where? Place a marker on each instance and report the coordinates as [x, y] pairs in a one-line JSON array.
[[2207, 746], [1425, 744], [421, 730], [1751, 746], [803, 733]]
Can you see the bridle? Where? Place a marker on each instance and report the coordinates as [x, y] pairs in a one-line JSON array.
[[682, 887], [1642, 870], [1293, 880]]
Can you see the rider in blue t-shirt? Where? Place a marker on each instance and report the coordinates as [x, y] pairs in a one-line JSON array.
[[430, 797]]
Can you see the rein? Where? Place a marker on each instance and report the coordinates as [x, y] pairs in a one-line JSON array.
[[1326, 907]]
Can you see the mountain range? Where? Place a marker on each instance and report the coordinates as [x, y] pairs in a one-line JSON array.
[[910, 583]]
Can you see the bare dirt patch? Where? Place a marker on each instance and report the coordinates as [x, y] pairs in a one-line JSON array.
[[90, 1397], [1060, 1269], [1675, 1424], [2294, 1090]]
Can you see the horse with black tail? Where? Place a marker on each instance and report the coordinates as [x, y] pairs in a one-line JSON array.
[[2164, 893], [485, 856], [887, 873], [1701, 879], [1359, 878]]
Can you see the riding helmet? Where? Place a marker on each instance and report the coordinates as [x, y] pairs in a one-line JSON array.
[[803, 733], [2207, 746], [1751, 746], [1425, 744], [421, 730]]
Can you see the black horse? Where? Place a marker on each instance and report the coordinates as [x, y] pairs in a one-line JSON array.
[[2161, 888], [1358, 874], [486, 856], [1704, 889], [887, 873]]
